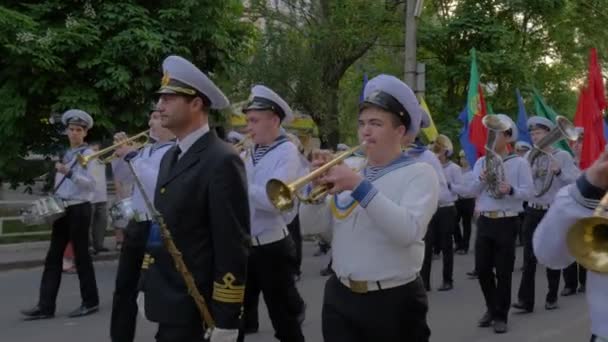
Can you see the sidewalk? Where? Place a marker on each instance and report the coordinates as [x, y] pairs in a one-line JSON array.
[[32, 254]]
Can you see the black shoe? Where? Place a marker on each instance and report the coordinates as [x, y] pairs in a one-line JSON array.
[[582, 289], [567, 292], [250, 330], [102, 250], [302, 314], [485, 320], [83, 311], [461, 251], [326, 272], [446, 287], [500, 327], [472, 275], [521, 306], [551, 305], [36, 313]]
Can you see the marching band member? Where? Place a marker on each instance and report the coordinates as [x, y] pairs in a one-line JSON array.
[[498, 220], [379, 218], [441, 228], [75, 186], [201, 192], [272, 259], [522, 147], [465, 206], [574, 202], [563, 172], [146, 164], [431, 241]]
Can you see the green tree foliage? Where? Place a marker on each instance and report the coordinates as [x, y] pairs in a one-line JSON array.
[[101, 56]]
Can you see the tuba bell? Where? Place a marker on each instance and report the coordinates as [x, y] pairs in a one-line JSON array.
[[587, 239], [540, 161], [494, 168]]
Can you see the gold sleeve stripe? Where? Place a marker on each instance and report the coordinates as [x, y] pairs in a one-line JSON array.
[[227, 292]]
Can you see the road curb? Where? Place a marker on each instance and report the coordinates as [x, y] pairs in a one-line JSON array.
[[24, 264]]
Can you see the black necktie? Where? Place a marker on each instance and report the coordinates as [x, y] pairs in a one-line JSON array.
[[175, 156]]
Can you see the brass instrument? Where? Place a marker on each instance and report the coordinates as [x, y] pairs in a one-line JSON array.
[[206, 319], [588, 239], [494, 168], [540, 161], [84, 160], [242, 145], [283, 195]]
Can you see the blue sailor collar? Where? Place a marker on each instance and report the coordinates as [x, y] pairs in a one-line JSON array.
[[260, 151]]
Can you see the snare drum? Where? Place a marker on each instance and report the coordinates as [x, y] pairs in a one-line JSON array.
[[43, 210], [122, 212]]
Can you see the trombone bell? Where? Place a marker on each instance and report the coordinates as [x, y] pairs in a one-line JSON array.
[[588, 243]]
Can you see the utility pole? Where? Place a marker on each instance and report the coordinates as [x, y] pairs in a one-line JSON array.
[[413, 8], [420, 79]]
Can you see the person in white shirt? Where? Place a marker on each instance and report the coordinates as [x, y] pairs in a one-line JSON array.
[[75, 187], [572, 203], [99, 214], [559, 166], [379, 217], [465, 207], [273, 253], [147, 164], [498, 221]]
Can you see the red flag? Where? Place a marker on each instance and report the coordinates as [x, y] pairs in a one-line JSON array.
[[591, 103], [478, 134]]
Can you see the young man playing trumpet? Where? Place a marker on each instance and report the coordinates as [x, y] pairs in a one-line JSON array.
[[146, 164], [379, 217], [559, 166], [499, 203]]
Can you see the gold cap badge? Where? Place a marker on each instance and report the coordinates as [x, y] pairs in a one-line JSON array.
[[165, 80]]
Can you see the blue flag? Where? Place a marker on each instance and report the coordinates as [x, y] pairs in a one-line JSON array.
[[361, 97], [522, 119], [470, 152]]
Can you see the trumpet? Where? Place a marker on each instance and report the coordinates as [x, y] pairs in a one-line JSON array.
[[85, 160], [283, 195], [241, 145], [587, 239]]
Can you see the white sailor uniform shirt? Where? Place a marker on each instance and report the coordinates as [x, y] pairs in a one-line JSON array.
[[517, 174], [79, 187], [453, 177], [280, 160], [378, 228], [146, 164], [573, 202], [569, 173], [464, 189]]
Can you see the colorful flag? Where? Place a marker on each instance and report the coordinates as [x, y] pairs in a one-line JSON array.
[[542, 109], [522, 119], [470, 152], [430, 133], [476, 110], [591, 103]]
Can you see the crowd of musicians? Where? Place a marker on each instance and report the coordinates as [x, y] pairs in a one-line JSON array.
[[390, 205]]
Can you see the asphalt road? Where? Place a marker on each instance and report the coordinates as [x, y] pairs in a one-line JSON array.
[[452, 317]]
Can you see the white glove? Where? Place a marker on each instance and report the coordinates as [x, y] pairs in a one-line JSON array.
[[224, 335]]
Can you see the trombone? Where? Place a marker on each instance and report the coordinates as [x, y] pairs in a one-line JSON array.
[[85, 160], [283, 195], [588, 239]]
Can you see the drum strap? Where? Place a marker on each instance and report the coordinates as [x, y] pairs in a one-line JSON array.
[[65, 176]]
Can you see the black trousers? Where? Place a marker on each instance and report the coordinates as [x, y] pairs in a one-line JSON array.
[[296, 235], [124, 302], [180, 333], [270, 271], [392, 315], [441, 227], [526, 288], [495, 250], [74, 226], [574, 275], [465, 207]]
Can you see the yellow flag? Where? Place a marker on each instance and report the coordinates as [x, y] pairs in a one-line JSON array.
[[430, 133]]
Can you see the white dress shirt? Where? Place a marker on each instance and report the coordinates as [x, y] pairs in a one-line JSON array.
[[189, 140], [453, 177]]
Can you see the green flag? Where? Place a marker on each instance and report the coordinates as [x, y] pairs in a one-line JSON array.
[[542, 109], [490, 109]]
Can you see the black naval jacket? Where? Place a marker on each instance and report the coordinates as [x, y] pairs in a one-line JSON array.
[[203, 199]]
